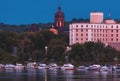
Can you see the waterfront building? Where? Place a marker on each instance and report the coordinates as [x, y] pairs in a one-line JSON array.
[[106, 31]]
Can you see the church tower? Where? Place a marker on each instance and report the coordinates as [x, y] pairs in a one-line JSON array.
[[59, 20]]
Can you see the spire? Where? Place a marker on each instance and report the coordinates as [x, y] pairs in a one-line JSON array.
[[59, 8]]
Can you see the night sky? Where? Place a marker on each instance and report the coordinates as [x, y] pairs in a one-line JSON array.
[[42, 11]]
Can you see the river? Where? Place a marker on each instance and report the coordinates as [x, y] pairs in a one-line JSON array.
[[57, 75]]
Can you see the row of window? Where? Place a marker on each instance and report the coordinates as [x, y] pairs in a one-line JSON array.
[[99, 26], [98, 39], [98, 35], [95, 30]]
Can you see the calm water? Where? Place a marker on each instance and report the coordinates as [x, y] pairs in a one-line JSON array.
[[57, 75]]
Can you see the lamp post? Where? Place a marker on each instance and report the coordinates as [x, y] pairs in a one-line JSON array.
[[46, 50]]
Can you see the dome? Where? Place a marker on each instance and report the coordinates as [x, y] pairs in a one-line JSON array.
[[59, 13]]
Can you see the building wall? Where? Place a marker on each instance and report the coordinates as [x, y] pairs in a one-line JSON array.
[[84, 32], [96, 17]]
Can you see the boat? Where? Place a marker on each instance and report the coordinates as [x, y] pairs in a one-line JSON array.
[[9, 67], [116, 68], [53, 66], [104, 68], [19, 66], [82, 68], [32, 65], [42, 66], [67, 66], [94, 67]]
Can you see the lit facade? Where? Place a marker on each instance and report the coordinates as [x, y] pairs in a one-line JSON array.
[[107, 31]]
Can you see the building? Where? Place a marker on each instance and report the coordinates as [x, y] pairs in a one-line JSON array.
[[107, 31], [59, 20], [96, 17], [52, 29]]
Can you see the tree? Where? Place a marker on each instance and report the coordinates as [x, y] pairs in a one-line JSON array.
[[56, 49]]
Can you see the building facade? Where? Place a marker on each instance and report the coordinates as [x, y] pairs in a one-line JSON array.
[[59, 20], [107, 31]]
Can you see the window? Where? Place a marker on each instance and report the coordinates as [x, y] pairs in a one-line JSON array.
[[81, 38], [76, 30], [76, 38], [111, 30], [106, 26], [86, 30], [97, 26], [81, 34], [117, 39], [81, 30], [76, 34], [86, 38], [117, 26], [86, 34], [81, 25], [86, 25], [76, 25], [116, 35], [117, 31], [111, 39], [112, 26], [111, 35]]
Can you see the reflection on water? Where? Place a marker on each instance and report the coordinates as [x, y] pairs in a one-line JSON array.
[[57, 75]]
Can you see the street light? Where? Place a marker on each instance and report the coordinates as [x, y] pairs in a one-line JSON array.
[[46, 50], [68, 48]]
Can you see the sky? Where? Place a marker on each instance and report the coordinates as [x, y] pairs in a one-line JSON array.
[[42, 11]]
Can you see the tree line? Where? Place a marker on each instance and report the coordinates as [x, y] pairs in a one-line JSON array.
[[44, 46]]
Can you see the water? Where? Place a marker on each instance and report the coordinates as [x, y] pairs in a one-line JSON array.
[[57, 75]]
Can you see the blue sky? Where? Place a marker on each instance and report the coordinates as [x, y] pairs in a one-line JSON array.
[[42, 11]]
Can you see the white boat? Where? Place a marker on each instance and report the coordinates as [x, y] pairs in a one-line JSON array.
[[42, 66], [82, 68], [32, 65], [116, 68], [94, 67], [67, 67], [9, 67], [53, 66], [19, 66], [104, 68]]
